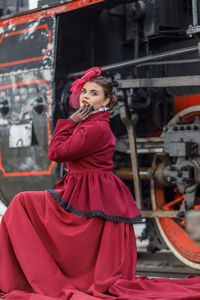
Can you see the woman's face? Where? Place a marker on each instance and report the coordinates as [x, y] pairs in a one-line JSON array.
[[93, 94]]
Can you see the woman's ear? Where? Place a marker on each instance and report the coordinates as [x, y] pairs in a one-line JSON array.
[[107, 101]]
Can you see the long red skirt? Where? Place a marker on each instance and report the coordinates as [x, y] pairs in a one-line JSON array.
[[48, 253]]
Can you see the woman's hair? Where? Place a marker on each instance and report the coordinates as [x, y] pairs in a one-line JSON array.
[[107, 88]]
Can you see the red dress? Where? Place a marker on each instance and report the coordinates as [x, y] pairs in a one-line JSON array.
[[81, 246], [90, 188]]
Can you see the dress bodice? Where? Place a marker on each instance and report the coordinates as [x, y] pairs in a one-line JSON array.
[[90, 188]]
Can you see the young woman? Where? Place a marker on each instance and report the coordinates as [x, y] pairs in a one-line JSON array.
[[76, 241]]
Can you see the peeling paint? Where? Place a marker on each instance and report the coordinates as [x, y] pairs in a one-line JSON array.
[[26, 85], [20, 135]]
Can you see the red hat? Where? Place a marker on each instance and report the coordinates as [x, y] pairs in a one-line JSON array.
[[77, 85]]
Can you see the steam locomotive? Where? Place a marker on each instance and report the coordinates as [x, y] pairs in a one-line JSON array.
[[150, 50]]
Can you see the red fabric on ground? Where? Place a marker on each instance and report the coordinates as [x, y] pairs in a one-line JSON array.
[[47, 253], [47, 250]]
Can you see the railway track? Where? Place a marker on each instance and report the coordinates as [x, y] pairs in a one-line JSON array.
[[162, 264]]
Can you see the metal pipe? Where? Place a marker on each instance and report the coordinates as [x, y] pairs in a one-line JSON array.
[[170, 62], [4, 7], [159, 213], [194, 13], [17, 6], [127, 173], [136, 48], [151, 139], [92, 44], [133, 154], [144, 59], [191, 80]]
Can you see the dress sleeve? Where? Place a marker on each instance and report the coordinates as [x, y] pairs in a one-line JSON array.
[[66, 145]]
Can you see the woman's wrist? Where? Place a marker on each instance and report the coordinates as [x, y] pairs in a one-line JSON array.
[[82, 113], [71, 118]]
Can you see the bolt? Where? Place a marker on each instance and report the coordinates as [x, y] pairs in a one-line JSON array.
[[184, 168], [193, 146], [173, 179], [185, 180], [179, 173], [172, 168], [115, 83], [169, 179]]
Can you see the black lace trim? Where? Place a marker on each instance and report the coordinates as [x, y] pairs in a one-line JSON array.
[[94, 213]]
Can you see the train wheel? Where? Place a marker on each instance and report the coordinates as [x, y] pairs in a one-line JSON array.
[[173, 231]]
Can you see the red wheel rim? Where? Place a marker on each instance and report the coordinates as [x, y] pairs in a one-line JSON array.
[[174, 229]]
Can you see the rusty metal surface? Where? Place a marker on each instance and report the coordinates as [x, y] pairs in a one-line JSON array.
[[159, 213], [127, 173]]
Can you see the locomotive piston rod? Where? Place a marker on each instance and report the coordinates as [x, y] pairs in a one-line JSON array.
[[133, 153]]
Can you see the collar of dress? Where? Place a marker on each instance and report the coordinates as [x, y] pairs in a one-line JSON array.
[[100, 109]]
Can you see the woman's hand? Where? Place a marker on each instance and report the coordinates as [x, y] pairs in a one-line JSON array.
[[82, 113]]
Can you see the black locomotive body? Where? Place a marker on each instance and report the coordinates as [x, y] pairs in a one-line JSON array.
[[150, 51]]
